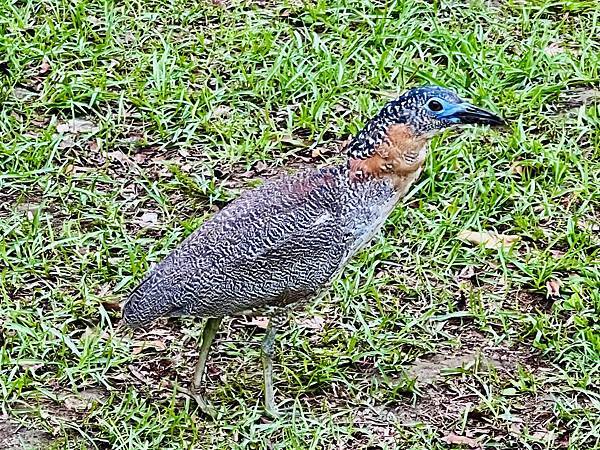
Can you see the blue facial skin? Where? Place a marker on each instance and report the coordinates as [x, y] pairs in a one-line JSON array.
[[461, 113], [449, 111]]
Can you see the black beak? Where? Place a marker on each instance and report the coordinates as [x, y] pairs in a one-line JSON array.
[[470, 114]]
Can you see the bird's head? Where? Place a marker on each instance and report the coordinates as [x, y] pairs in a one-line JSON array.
[[431, 109], [405, 125]]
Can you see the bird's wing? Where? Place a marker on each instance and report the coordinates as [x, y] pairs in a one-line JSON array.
[[271, 242], [296, 267]]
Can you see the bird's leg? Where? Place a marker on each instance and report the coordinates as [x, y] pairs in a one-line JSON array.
[[208, 335], [267, 360]]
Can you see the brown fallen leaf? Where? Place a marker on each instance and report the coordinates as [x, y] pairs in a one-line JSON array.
[[465, 273], [455, 439], [258, 321], [111, 305], [489, 239], [517, 168], [76, 126], [553, 288], [554, 49], [140, 346], [543, 436], [313, 323], [44, 67], [119, 156]]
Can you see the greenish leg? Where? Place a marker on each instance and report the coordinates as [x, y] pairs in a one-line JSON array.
[[208, 335], [267, 360]]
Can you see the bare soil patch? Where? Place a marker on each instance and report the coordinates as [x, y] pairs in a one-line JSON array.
[[16, 437]]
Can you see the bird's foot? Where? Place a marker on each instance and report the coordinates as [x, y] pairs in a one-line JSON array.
[[204, 406], [272, 410]]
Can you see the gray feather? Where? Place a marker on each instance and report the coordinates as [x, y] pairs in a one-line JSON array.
[[280, 243]]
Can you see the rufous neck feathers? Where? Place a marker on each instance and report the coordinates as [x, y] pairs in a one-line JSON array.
[[399, 155]]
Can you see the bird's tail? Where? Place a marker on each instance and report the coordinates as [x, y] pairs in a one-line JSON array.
[[147, 302]]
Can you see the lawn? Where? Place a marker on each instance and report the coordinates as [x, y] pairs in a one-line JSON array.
[[125, 124]]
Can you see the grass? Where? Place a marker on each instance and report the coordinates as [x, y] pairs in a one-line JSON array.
[[180, 105]]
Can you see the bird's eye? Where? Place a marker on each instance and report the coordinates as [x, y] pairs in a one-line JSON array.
[[435, 106]]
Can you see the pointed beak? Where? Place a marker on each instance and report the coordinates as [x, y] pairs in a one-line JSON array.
[[465, 113]]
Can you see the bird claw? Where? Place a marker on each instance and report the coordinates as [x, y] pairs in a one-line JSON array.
[[204, 406], [272, 411], [201, 402]]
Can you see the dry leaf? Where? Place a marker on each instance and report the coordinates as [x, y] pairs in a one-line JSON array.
[[543, 436], [44, 67], [148, 219], [465, 273], [516, 428], [111, 305], [455, 439], [76, 404], [291, 140], [23, 94], [553, 288], [554, 49], [139, 157], [140, 346], [517, 168], [66, 142], [77, 126], [259, 321], [319, 151], [221, 110], [489, 238], [118, 155], [137, 374], [313, 323]]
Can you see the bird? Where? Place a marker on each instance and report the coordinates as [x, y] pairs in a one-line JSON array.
[[283, 243]]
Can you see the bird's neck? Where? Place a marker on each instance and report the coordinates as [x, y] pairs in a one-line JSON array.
[[399, 154]]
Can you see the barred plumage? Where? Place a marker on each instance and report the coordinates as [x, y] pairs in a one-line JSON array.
[[284, 242], [277, 244]]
